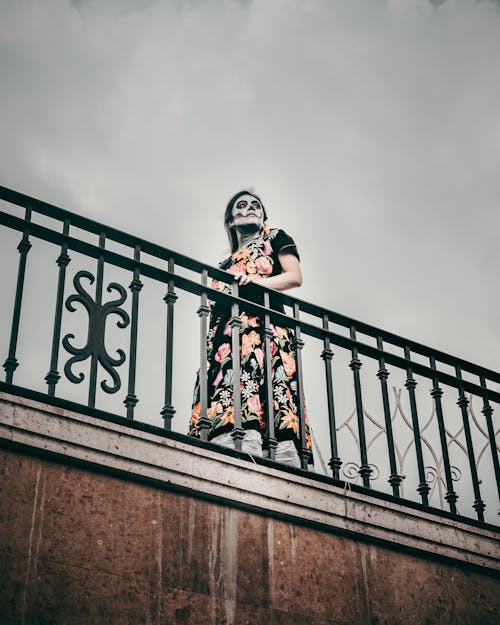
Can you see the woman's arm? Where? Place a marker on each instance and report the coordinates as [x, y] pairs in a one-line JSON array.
[[290, 277]]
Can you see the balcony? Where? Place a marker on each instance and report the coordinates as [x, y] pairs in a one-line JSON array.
[[103, 333]]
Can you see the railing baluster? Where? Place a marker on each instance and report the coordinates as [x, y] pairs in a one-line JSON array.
[[53, 377], [203, 312], [135, 287], [364, 470], [11, 364], [298, 345], [235, 323], [170, 298], [327, 354], [436, 393], [423, 488], [268, 378], [463, 402], [382, 374], [487, 410], [94, 341]]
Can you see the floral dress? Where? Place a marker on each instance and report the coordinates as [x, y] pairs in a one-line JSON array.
[[260, 258]]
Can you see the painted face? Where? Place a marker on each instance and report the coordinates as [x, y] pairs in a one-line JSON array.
[[247, 205], [247, 208]]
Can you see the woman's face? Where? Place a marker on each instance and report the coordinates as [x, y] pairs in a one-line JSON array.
[[247, 210]]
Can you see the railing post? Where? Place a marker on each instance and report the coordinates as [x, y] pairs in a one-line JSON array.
[[327, 354], [268, 378], [53, 377], [423, 488], [382, 374], [170, 298], [436, 393], [298, 345], [463, 403], [93, 340], [235, 323], [11, 364], [364, 470], [135, 287], [203, 312], [487, 410]]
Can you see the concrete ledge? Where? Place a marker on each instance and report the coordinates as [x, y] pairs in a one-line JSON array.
[[234, 480]]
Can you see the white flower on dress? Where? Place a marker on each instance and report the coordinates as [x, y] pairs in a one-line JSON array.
[[279, 395], [245, 393], [249, 389]]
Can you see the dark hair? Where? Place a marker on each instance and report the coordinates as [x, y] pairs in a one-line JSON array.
[[228, 215]]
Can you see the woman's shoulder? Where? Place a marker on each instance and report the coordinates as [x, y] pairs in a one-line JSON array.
[[276, 232], [282, 242]]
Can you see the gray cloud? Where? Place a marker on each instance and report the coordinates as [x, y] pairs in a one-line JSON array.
[[370, 129]]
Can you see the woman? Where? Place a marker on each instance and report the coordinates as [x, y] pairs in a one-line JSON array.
[[268, 257]]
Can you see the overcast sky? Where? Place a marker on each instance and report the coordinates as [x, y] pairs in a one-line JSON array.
[[370, 128]]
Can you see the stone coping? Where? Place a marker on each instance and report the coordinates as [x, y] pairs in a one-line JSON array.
[[145, 455]]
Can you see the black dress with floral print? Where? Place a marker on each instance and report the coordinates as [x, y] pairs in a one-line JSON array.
[[259, 257]]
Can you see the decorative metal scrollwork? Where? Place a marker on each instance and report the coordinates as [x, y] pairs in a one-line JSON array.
[[435, 478], [432, 474], [95, 346], [351, 471]]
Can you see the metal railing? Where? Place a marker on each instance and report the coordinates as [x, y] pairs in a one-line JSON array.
[[387, 351]]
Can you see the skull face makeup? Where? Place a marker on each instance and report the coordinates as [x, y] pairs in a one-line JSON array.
[[247, 205], [244, 217]]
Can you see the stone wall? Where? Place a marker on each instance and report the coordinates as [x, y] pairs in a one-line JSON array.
[[82, 543]]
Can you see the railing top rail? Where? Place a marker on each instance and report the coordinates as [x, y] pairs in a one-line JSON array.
[[153, 249]]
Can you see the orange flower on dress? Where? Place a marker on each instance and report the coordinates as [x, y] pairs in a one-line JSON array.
[[214, 409], [288, 363], [219, 286], [228, 416], [195, 415], [242, 254], [238, 268], [309, 441], [290, 420], [248, 342]]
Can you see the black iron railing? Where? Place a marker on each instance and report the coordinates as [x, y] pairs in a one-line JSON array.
[[390, 353]]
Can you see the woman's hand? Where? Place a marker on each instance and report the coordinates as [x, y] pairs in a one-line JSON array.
[[243, 278], [290, 277]]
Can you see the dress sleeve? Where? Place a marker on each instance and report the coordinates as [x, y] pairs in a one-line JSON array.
[[284, 244]]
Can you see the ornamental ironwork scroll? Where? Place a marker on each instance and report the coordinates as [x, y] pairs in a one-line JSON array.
[[435, 473], [95, 346]]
